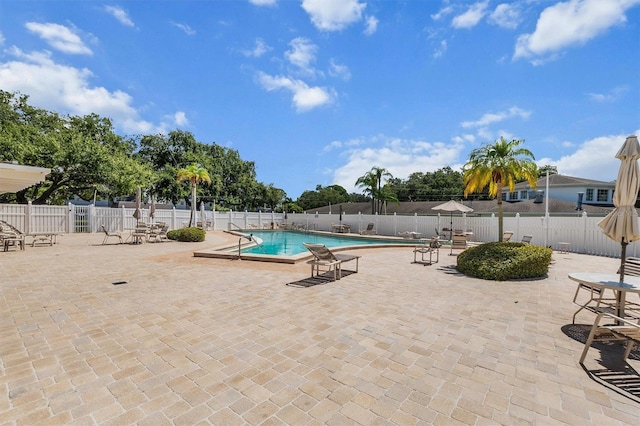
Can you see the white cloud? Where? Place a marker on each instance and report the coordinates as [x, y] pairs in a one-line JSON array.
[[302, 54], [184, 27], [258, 50], [180, 119], [66, 89], [441, 49], [612, 96], [120, 14], [400, 157], [59, 37], [442, 13], [339, 71], [372, 25], [571, 23], [333, 15], [496, 117], [594, 158], [506, 15], [1, 39], [304, 98], [263, 2], [472, 16]]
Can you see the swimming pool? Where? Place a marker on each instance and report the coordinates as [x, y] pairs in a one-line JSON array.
[[289, 243], [286, 246]]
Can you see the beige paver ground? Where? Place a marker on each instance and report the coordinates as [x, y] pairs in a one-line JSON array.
[[211, 341]]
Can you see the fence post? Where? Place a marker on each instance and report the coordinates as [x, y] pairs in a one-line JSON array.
[[517, 234], [90, 218], [584, 231], [71, 219], [27, 218]]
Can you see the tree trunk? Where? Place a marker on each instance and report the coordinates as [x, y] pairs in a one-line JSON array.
[[193, 206], [500, 214]]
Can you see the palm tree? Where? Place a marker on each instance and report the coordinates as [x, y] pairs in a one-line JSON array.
[[371, 182], [194, 174], [495, 166]]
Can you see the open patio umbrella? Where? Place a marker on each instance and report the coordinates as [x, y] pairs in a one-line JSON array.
[[452, 206], [622, 223], [137, 213]]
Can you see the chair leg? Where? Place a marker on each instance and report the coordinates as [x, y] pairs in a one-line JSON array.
[[592, 334]]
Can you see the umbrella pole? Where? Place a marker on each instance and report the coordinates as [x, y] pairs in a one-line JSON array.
[[620, 301]]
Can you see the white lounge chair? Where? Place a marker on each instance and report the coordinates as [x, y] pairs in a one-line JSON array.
[[431, 248], [323, 257], [370, 229]]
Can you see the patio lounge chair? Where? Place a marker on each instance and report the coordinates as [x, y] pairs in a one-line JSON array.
[[621, 329], [369, 230], [323, 257], [108, 235], [506, 236], [158, 232], [458, 242], [11, 236], [526, 239], [431, 248]]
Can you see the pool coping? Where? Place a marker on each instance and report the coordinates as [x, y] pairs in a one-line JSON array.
[[230, 251]]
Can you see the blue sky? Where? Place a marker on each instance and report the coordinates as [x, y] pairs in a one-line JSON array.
[[319, 91]]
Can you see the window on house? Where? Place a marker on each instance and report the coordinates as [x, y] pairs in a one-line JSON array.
[[603, 195], [513, 195], [504, 196], [589, 194], [523, 195]]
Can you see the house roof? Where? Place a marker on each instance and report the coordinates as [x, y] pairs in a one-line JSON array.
[[556, 180]]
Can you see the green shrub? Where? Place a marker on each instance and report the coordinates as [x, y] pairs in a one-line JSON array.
[[501, 261], [187, 235]]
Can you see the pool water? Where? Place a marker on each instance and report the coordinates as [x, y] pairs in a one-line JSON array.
[[289, 243]]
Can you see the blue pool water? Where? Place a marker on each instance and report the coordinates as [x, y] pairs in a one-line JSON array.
[[289, 243]]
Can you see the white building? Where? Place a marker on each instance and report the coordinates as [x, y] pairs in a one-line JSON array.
[[566, 188]]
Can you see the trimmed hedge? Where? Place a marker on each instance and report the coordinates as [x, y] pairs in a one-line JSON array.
[[502, 261], [187, 235]]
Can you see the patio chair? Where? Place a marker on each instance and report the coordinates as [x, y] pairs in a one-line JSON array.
[[159, 232], [506, 236], [11, 236], [620, 330], [431, 248], [370, 229], [458, 242], [526, 239], [325, 258], [108, 235]]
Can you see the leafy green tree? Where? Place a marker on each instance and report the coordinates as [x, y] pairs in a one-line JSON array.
[[323, 196], [496, 166], [83, 153], [194, 174]]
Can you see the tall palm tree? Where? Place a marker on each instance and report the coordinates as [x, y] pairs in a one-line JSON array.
[[495, 166], [371, 182], [194, 174]]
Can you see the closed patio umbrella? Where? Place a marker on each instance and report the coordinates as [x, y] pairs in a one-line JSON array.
[[622, 223], [203, 216], [137, 213], [152, 209], [452, 206]]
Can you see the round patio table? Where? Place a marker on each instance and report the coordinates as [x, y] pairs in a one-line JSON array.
[[610, 282]]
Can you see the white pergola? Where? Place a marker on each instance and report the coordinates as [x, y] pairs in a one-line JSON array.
[[14, 177]]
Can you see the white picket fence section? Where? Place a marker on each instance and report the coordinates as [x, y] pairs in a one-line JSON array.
[[580, 231]]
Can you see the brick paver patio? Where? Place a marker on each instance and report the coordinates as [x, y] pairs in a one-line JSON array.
[[188, 340]]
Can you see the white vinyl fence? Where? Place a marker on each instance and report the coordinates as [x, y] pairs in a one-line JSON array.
[[581, 231]]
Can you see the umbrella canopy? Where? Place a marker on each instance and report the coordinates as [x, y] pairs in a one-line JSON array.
[[137, 213], [622, 223], [452, 206]]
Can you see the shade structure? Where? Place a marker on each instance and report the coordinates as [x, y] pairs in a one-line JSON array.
[[16, 177], [622, 223], [452, 206], [137, 213]]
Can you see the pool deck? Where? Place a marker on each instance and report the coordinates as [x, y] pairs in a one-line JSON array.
[[151, 335]]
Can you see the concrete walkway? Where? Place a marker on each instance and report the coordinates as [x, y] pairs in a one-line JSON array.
[[151, 335]]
